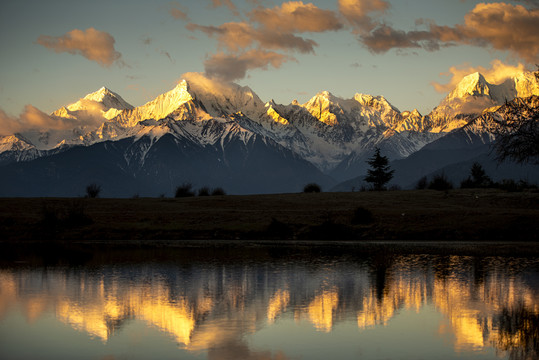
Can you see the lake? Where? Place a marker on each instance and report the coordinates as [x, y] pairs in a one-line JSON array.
[[270, 303]]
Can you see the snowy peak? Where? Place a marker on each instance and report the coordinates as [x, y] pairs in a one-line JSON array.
[[376, 102], [473, 84], [14, 143], [197, 97], [107, 98], [526, 84], [274, 115], [104, 103], [325, 107], [221, 99], [474, 94], [177, 100], [166, 103]]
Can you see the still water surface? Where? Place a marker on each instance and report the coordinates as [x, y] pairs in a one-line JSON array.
[[314, 307]]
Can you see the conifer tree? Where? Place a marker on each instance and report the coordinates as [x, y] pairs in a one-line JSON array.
[[379, 174]]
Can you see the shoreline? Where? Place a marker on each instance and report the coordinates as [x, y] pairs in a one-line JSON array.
[[95, 253]]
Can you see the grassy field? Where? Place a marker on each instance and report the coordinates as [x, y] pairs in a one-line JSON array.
[[393, 215]]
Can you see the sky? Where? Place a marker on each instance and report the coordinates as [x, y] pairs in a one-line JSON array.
[[410, 51]]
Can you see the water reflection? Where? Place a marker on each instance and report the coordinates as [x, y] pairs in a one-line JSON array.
[[213, 308]]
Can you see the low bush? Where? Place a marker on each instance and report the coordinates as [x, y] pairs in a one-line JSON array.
[[93, 190], [184, 190], [421, 183], [312, 188], [204, 191], [218, 191], [511, 185], [440, 182]]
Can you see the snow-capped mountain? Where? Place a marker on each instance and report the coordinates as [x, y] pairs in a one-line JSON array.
[[474, 94], [80, 118], [454, 153], [14, 148], [167, 154], [324, 131], [225, 124], [329, 129], [104, 102]]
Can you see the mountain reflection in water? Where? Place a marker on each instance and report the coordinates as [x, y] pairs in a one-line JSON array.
[[212, 308]]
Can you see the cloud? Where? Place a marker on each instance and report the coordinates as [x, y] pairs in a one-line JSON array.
[[237, 36], [503, 27], [384, 38], [32, 118], [499, 26], [178, 11], [255, 44], [361, 13], [295, 16], [496, 74], [232, 67], [93, 44], [228, 3]]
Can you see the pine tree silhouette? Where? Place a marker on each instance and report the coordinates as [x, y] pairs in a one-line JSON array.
[[380, 173]]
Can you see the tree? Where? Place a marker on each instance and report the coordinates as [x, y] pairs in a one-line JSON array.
[[93, 190], [517, 139], [440, 182], [478, 178], [379, 174], [517, 135], [312, 188], [184, 190]]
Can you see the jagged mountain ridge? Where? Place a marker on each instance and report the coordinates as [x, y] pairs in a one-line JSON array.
[[323, 131], [167, 155], [474, 94], [334, 134], [454, 153]]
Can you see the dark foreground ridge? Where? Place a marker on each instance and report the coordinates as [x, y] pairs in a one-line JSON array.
[[454, 215]]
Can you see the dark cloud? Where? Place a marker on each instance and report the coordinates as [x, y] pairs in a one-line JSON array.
[[295, 16], [233, 67], [361, 14], [496, 25], [93, 44], [384, 38], [249, 45], [237, 36]]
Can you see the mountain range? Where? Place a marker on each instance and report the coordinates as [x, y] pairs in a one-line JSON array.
[[210, 133]]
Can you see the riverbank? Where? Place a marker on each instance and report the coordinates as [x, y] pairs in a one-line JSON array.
[[393, 215]]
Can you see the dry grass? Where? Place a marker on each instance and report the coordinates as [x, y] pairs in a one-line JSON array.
[[400, 215]]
